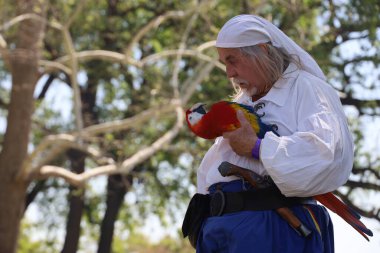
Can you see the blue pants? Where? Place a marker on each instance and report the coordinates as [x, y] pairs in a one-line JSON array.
[[266, 231]]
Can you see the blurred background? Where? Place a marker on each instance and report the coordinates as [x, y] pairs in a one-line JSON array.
[[95, 155]]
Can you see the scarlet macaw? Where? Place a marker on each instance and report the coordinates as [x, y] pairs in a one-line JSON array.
[[222, 118]]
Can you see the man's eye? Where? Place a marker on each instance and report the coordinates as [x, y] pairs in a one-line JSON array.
[[232, 62]]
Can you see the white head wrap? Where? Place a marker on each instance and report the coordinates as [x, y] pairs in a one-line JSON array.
[[250, 30]]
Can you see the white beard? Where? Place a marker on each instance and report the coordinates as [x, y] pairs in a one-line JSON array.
[[244, 86], [250, 92]]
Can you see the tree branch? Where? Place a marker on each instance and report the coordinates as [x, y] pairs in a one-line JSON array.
[[68, 43], [154, 23], [360, 104], [363, 185], [132, 122], [46, 86], [53, 145], [187, 52], [182, 46], [3, 43], [151, 25], [374, 213], [362, 171], [190, 84], [26, 16], [125, 167], [118, 57], [76, 12], [51, 66]]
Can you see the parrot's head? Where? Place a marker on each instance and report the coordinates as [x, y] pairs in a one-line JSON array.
[[195, 114]]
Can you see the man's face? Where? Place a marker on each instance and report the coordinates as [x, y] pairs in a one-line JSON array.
[[242, 71]]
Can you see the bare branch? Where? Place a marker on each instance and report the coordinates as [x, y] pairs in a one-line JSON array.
[[134, 121], [151, 25], [190, 85], [76, 12], [51, 66], [159, 20], [145, 153], [3, 50], [374, 213], [3, 43], [361, 171], [53, 145], [125, 167], [89, 55], [360, 104], [26, 16], [187, 52], [55, 171], [63, 145], [118, 57], [206, 45], [363, 185], [182, 46], [68, 43]]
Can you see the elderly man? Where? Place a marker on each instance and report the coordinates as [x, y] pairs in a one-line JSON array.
[[312, 155]]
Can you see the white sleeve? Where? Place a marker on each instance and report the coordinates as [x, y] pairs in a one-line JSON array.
[[315, 159]]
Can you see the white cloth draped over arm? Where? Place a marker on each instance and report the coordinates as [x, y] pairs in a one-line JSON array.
[[316, 158]]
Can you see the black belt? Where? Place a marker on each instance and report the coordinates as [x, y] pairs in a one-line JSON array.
[[218, 203], [253, 200]]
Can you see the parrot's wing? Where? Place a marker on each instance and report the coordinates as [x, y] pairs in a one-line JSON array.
[[254, 119]]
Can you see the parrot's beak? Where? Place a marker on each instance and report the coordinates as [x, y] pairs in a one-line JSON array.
[[199, 108]]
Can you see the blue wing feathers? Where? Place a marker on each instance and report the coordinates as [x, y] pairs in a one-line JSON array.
[[262, 126]]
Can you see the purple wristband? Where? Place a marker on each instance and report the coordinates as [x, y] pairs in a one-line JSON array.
[[256, 149]]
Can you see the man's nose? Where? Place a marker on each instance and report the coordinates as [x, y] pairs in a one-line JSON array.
[[231, 72]]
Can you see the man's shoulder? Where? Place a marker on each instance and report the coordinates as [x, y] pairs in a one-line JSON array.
[[307, 81]]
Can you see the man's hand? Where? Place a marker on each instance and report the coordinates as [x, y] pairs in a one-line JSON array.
[[243, 139]]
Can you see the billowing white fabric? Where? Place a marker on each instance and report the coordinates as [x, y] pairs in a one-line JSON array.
[[314, 153], [250, 30]]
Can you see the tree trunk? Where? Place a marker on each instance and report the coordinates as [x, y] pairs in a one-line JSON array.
[[76, 205], [12, 208], [116, 189], [76, 199], [23, 63]]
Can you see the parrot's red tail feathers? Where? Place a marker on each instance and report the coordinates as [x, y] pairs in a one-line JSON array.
[[330, 201]]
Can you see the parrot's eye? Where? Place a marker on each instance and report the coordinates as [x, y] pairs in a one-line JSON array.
[[194, 117]]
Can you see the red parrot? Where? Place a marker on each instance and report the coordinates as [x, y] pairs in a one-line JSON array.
[[222, 118]]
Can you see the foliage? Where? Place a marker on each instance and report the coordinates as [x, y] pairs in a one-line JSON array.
[[28, 243]]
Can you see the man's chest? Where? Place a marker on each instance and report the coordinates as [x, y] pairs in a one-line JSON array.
[[283, 119]]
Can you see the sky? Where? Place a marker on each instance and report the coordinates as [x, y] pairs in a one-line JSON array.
[[347, 240]]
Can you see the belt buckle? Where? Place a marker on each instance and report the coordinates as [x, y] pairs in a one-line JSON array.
[[217, 204]]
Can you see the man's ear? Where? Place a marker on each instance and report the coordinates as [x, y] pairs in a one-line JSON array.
[[264, 47]]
